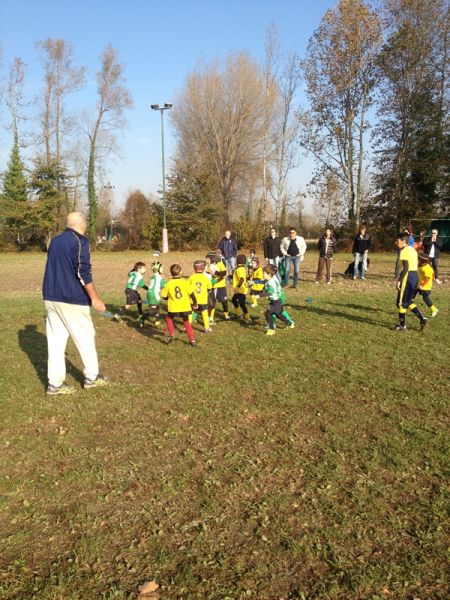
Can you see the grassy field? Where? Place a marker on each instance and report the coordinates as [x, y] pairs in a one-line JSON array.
[[310, 464]]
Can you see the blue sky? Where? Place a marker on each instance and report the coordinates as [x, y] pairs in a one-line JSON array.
[[159, 43]]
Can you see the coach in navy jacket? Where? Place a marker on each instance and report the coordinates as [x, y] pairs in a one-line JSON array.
[[68, 269], [68, 292]]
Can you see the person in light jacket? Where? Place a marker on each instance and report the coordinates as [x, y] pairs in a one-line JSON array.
[[293, 248]]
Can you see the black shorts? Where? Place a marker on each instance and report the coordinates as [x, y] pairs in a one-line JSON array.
[[201, 307], [133, 297], [182, 315], [275, 307], [221, 294]]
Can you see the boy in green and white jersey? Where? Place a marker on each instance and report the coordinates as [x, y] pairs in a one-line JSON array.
[[274, 291], [134, 283], [155, 285]]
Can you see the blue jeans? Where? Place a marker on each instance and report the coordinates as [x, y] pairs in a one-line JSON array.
[[358, 257], [292, 260], [230, 264]]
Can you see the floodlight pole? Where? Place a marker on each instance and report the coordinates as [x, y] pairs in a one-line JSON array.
[[165, 237]]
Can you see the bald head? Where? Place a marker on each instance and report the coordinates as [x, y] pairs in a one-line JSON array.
[[76, 221]]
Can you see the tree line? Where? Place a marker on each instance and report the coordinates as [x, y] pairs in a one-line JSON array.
[[375, 123]]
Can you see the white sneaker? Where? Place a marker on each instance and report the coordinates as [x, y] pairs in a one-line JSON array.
[[434, 312], [438, 281]]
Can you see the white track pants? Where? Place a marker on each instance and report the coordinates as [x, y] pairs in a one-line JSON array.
[[75, 320]]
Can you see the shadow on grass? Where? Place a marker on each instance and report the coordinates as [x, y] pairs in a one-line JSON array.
[[34, 344], [341, 315], [359, 307]]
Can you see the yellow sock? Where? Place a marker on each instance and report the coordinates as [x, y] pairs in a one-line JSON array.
[[254, 299], [205, 319], [247, 317], [432, 308], [211, 314]]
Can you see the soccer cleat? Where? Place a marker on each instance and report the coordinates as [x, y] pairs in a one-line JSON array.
[[141, 322], [118, 318], [227, 318], [208, 330], [434, 312], [99, 381], [291, 325], [169, 339], [211, 321], [191, 342], [270, 332], [57, 390], [399, 327], [423, 323]]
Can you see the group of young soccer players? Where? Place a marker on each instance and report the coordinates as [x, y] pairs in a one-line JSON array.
[[196, 296]]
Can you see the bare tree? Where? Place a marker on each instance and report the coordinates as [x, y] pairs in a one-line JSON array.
[[270, 95], [14, 93], [286, 135], [61, 79], [113, 100], [219, 120]]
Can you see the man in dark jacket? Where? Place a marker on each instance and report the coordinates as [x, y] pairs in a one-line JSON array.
[[228, 248], [272, 250], [360, 251], [433, 247], [68, 292]]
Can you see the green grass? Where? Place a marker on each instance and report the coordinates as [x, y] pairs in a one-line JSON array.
[[312, 464]]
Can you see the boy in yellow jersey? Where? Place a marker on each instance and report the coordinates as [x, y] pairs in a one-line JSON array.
[[426, 276], [256, 279], [218, 271], [179, 297], [407, 283], [200, 286], [240, 287]]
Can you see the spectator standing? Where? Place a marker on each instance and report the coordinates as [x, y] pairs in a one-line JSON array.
[[293, 248], [228, 249], [271, 246], [432, 247], [326, 247], [360, 250], [68, 292]]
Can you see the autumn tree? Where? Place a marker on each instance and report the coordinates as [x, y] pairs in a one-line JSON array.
[[412, 136], [194, 209], [113, 100], [218, 120], [140, 219], [340, 75], [327, 191]]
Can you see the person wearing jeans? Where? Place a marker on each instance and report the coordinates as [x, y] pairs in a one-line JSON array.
[[326, 247], [360, 250], [228, 249], [293, 248], [432, 247]]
